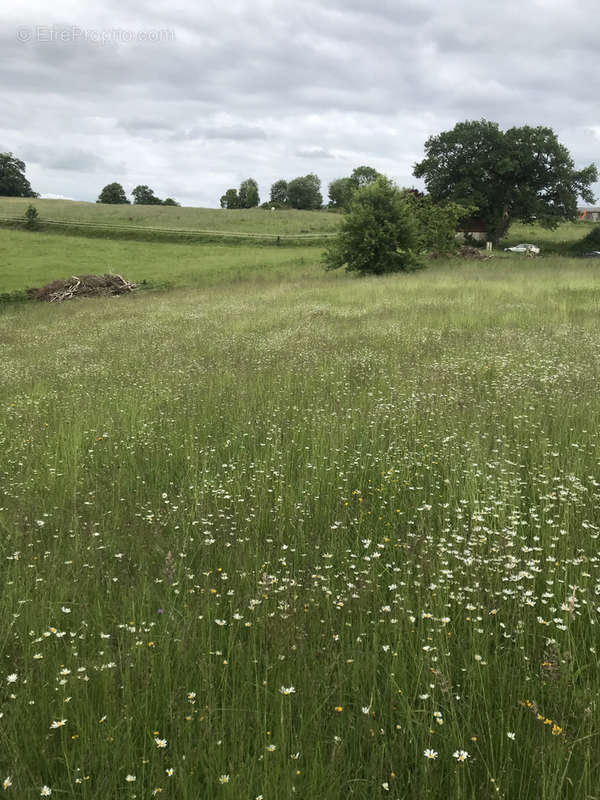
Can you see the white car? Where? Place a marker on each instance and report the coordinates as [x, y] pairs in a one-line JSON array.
[[523, 248]]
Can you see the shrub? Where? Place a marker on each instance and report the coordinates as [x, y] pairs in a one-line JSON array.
[[31, 216], [379, 234]]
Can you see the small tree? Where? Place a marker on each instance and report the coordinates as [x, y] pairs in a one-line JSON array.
[[113, 193], [144, 196], [230, 199], [279, 194], [305, 192], [340, 193], [170, 202], [31, 217], [379, 234], [362, 176], [248, 194]]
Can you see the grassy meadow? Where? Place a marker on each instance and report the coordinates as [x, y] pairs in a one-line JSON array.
[[253, 220], [32, 259], [291, 533]]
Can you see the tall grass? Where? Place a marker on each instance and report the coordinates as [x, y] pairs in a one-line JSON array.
[[285, 539]]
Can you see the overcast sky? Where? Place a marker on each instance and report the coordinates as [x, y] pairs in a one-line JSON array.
[[193, 97]]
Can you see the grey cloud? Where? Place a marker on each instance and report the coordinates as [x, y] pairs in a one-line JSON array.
[[144, 127], [62, 158], [263, 88], [231, 133], [314, 152]]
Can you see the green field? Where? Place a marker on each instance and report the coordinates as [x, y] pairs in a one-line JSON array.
[[279, 532], [33, 259], [255, 220]]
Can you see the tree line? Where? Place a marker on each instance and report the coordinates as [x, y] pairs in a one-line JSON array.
[[302, 193], [143, 195], [521, 174]]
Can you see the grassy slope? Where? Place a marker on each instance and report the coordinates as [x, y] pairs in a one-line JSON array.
[[247, 221], [33, 259]]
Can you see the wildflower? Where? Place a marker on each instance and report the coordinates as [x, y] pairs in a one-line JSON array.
[[7, 782], [339, 709], [223, 778], [511, 735], [365, 709], [556, 730], [160, 743], [12, 678], [58, 723], [287, 690], [460, 755], [170, 771], [429, 753], [45, 791], [385, 786], [130, 778]]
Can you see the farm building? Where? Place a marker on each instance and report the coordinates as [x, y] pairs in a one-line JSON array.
[[589, 214], [472, 228]]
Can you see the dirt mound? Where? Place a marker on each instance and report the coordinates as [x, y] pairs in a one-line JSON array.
[[82, 286]]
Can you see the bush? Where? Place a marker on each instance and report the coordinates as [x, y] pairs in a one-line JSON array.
[[438, 223], [379, 233], [592, 240], [31, 216]]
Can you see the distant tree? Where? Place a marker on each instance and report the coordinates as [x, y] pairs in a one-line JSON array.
[[379, 233], [230, 199], [13, 182], [305, 192], [340, 193], [279, 193], [170, 202], [113, 193], [144, 196], [362, 176], [248, 193], [516, 175]]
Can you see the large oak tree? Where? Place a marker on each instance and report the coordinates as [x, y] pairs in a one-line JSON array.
[[13, 182], [515, 175]]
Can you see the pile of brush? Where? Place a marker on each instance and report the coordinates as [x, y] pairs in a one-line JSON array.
[[466, 251], [82, 286]]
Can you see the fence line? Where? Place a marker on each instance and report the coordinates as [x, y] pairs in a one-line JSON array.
[[193, 232]]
